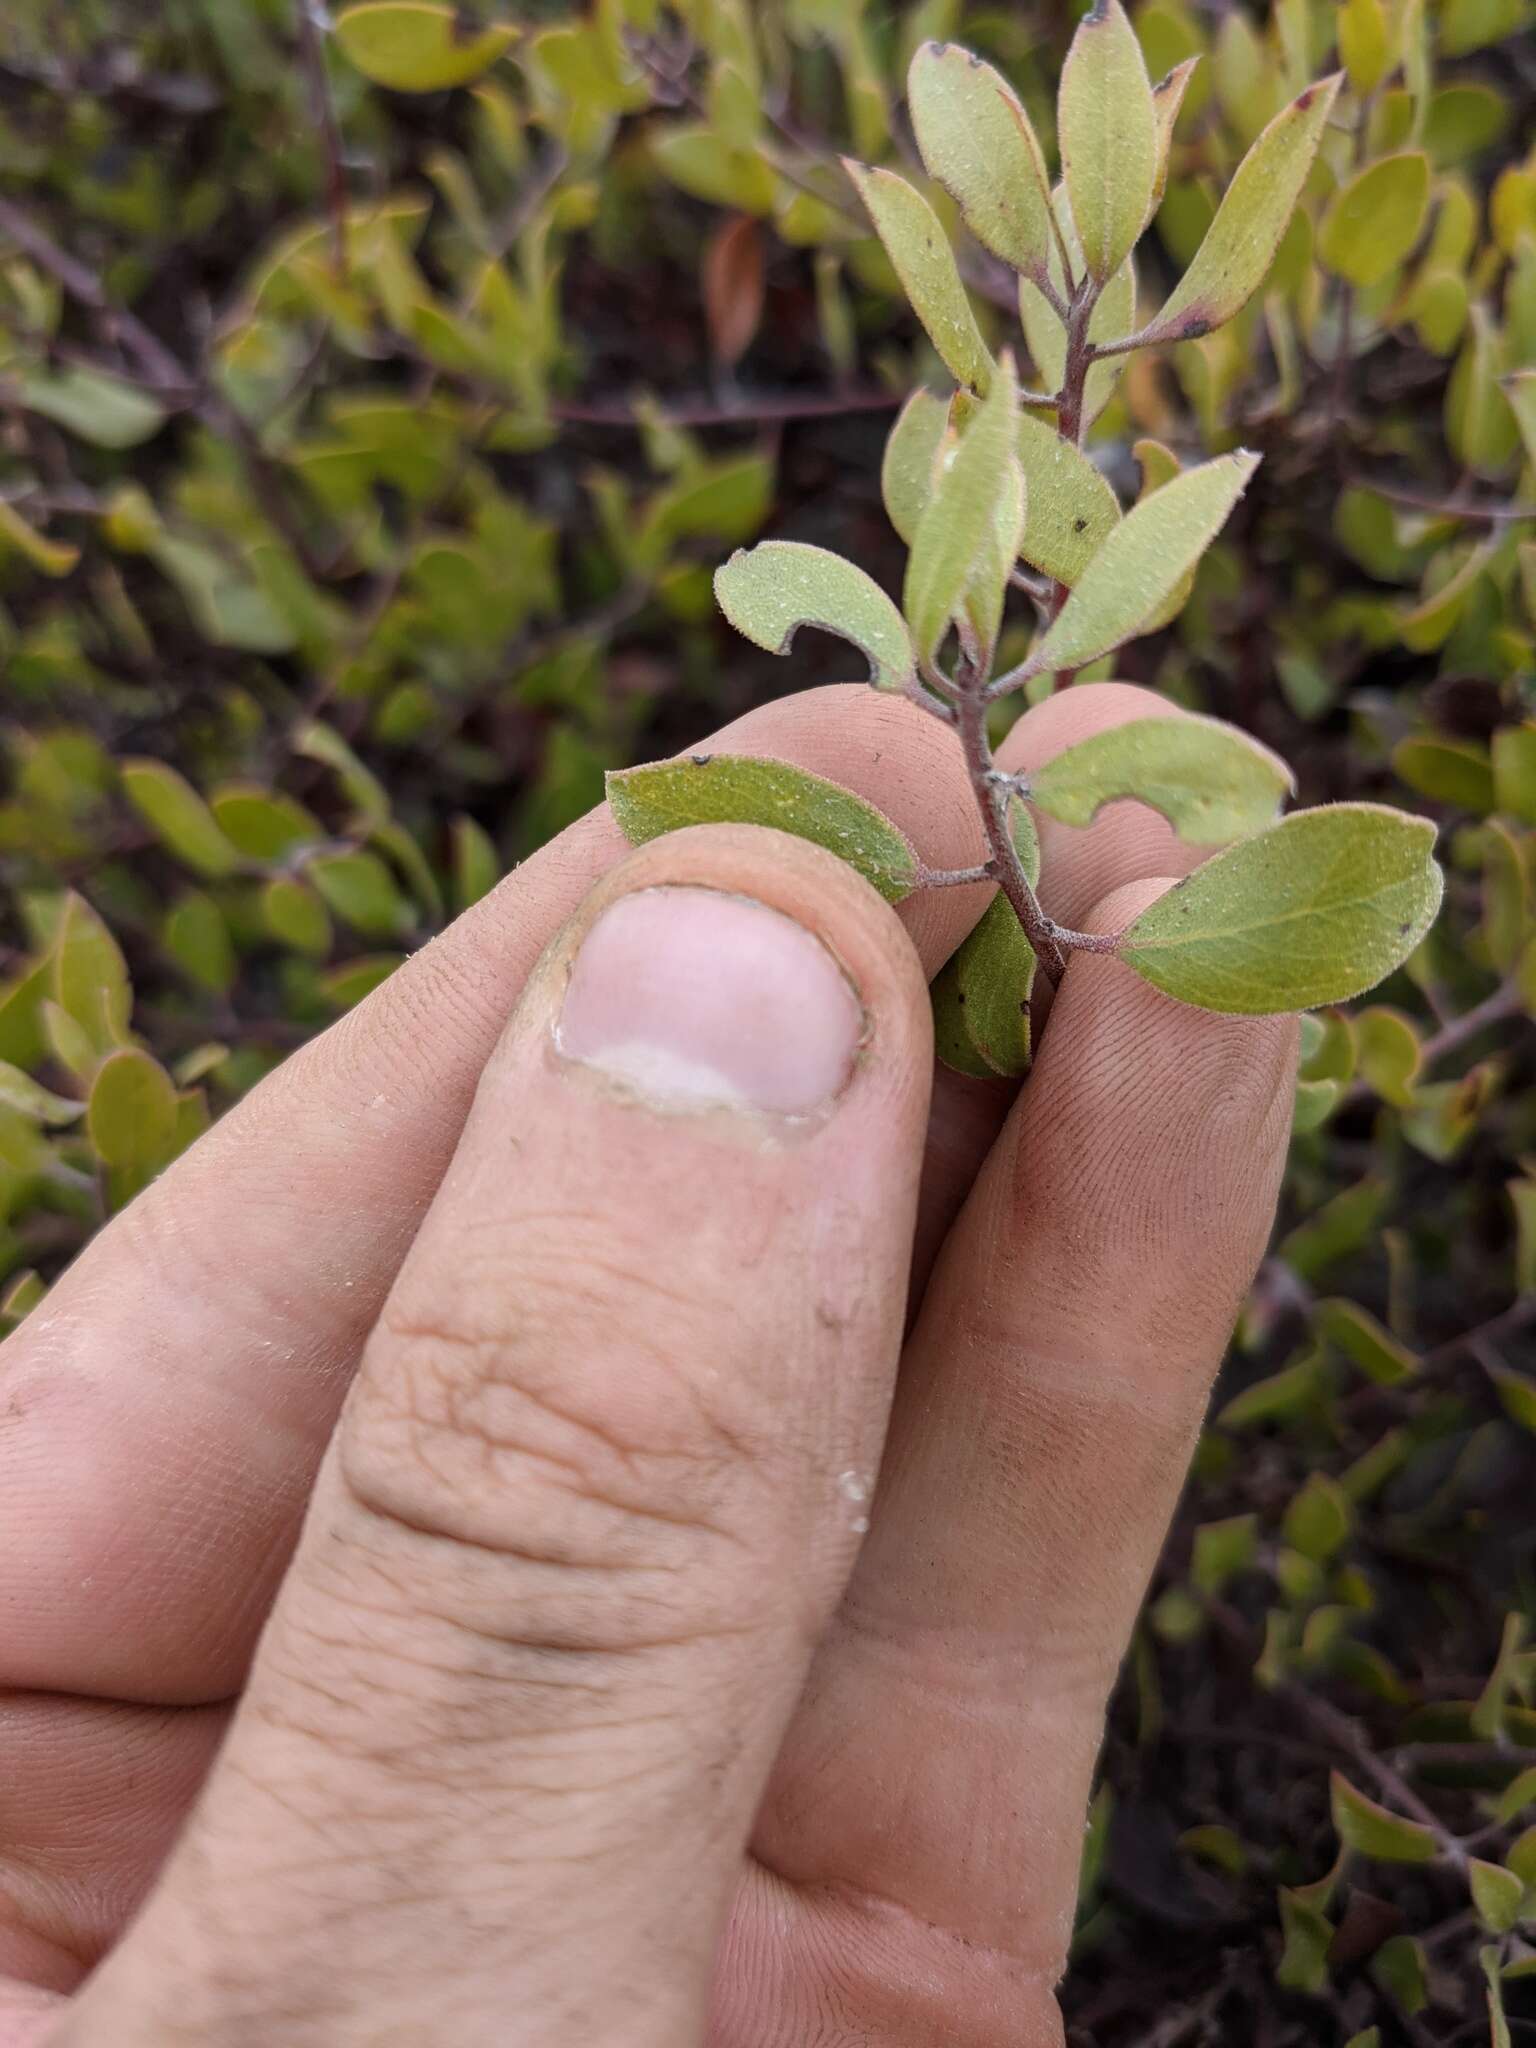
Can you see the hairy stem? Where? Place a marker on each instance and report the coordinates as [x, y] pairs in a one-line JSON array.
[[992, 801]]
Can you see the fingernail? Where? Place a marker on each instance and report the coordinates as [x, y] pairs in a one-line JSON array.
[[696, 998]]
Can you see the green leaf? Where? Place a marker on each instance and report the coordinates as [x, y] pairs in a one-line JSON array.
[[52, 557], [1283, 1395], [1517, 1795], [961, 518], [1210, 781], [1317, 1522], [1374, 222], [177, 815], [1070, 507], [702, 163], [1450, 771], [769, 592], [360, 889], [1364, 44], [100, 409], [294, 915], [925, 263], [1216, 1844], [1167, 104], [713, 789], [1520, 391], [1356, 1332], [1316, 910], [1240, 244], [263, 825], [1221, 1551], [1522, 1199], [1108, 132], [1398, 1967], [365, 792], [1486, 1720], [977, 142], [410, 46], [1374, 1831], [1308, 1931], [476, 863], [132, 1113], [1142, 562], [981, 998], [30, 1098], [1498, 2022], [912, 459], [1514, 771], [1518, 1395], [1479, 423], [196, 936], [90, 976], [1113, 317]]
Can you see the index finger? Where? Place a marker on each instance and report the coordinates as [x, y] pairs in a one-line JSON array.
[[168, 1404]]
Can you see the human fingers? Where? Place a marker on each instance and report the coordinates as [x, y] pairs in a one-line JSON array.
[[168, 1404], [1048, 1403], [594, 1492]]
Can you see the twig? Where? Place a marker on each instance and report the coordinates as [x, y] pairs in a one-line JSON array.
[[1505, 1002], [1444, 508], [161, 367], [312, 52], [745, 412], [992, 802]]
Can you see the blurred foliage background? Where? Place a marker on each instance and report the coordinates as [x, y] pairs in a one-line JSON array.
[[377, 391]]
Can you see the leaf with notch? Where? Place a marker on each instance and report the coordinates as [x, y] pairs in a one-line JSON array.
[[1315, 910], [1210, 781], [978, 143], [769, 592], [741, 789]]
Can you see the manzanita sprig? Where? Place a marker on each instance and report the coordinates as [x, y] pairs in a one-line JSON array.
[[992, 490]]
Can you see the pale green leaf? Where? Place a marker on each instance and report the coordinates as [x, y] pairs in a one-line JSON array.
[[1374, 222], [1450, 771], [413, 46], [925, 263], [1240, 243], [769, 592], [90, 976], [476, 862], [263, 824], [1375, 1350], [1498, 2020], [1210, 781], [359, 888], [704, 164], [977, 142], [1070, 506], [1389, 1054], [1315, 910], [367, 795], [1113, 316], [1108, 131], [997, 557], [1303, 1964], [177, 815], [1317, 1522], [713, 789], [196, 935], [31, 1099], [1142, 562], [1514, 771], [981, 998], [1520, 390], [1398, 1967], [1167, 103], [961, 518], [912, 460], [100, 409], [294, 915], [132, 1113], [53, 557], [1374, 1831], [1364, 43], [1479, 421]]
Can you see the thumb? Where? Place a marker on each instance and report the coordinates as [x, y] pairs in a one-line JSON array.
[[591, 1501]]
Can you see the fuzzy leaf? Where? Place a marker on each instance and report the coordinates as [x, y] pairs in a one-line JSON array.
[[769, 592], [1071, 508], [925, 263], [1240, 244], [1374, 222], [31, 1099], [1389, 1054], [713, 789], [960, 522], [1315, 910], [100, 409], [1142, 561], [1375, 1832], [132, 1113], [1364, 43], [996, 557], [1112, 317], [912, 459], [981, 998], [1108, 131], [977, 142], [177, 815], [411, 46], [90, 977], [1167, 103], [1210, 781]]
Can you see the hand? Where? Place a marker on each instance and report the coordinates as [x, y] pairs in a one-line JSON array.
[[582, 1709]]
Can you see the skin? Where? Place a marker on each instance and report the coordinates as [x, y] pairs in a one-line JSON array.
[[333, 1713]]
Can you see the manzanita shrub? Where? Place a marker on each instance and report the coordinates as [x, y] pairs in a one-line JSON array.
[[991, 491], [383, 384]]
